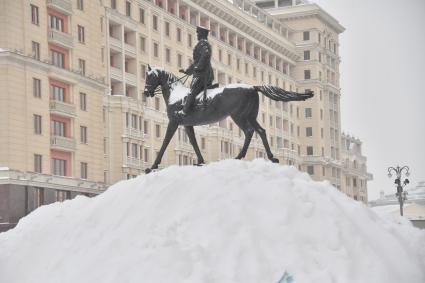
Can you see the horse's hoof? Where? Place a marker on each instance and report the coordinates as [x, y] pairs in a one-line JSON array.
[[274, 160], [199, 164], [148, 170]]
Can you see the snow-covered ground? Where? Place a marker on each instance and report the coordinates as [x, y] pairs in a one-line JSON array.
[[230, 221]]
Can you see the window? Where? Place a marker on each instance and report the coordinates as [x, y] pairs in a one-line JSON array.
[[306, 35], [309, 150], [141, 15], [57, 58], [36, 87], [167, 28], [80, 5], [307, 74], [81, 36], [58, 128], [155, 49], [58, 93], [142, 44], [189, 40], [157, 104], [113, 4], [146, 127], [36, 50], [155, 22], [202, 143], [143, 71], [134, 150], [37, 124], [56, 23], [307, 55], [83, 101], [83, 134], [308, 113], [179, 34], [310, 170], [167, 55], [38, 163], [34, 15], [128, 8], [158, 131], [82, 66], [179, 60], [58, 167], [134, 121], [309, 132], [146, 155], [128, 149], [83, 170]]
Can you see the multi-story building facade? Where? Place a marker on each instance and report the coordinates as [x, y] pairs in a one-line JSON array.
[[73, 117], [354, 170]]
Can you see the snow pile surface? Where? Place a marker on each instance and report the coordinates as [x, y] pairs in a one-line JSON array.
[[230, 221]]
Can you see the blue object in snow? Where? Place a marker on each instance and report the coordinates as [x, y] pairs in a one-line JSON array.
[[286, 278]]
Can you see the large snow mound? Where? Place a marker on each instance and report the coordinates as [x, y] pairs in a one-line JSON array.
[[230, 221]]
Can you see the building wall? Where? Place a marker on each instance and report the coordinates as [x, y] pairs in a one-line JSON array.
[[19, 66], [125, 129]]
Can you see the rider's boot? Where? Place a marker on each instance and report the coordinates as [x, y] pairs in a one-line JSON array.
[[186, 108]]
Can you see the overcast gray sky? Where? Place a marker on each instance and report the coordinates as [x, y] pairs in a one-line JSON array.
[[383, 83]]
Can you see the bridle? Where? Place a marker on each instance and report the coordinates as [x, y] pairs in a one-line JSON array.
[[155, 91]]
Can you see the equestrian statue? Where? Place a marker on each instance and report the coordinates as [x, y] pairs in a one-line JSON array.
[[204, 103]]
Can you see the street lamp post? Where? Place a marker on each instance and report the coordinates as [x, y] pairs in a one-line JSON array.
[[402, 196]]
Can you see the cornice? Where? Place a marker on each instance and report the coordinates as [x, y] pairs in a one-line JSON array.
[[229, 13], [306, 10], [13, 57]]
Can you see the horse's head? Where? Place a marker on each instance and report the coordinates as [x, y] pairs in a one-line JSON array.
[[153, 80]]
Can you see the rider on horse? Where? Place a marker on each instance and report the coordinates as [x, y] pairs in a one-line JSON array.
[[200, 69]]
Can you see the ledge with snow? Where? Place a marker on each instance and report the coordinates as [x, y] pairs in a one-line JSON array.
[[230, 221]]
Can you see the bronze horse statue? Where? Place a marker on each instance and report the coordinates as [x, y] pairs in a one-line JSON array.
[[239, 101]]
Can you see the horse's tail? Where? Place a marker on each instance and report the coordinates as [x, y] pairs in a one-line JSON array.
[[279, 94]]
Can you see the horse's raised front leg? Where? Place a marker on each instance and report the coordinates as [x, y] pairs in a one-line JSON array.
[[171, 129], [192, 138]]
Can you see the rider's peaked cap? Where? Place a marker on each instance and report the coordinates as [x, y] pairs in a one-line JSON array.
[[202, 30]]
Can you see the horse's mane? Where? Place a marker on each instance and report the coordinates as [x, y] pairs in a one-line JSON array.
[[171, 78]]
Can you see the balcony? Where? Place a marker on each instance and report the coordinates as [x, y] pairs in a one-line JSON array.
[[62, 108], [288, 154], [62, 143], [115, 43], [130, 50], [64, 6], [60, 38], [134, 162], [116, 73], [133, 133], [131, 79]]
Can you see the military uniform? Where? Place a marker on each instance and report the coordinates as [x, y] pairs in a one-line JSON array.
[[201, 69]]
